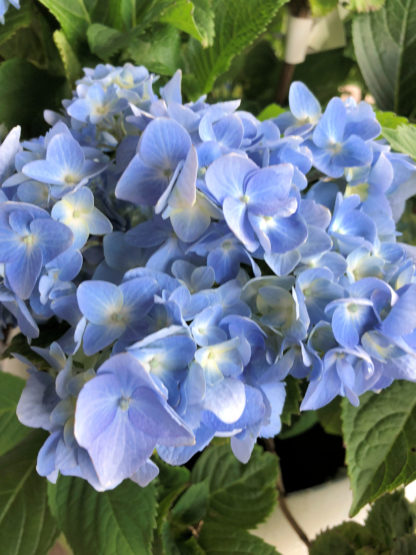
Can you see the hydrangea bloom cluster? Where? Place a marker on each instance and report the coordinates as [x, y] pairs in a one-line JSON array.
[[194, 257]]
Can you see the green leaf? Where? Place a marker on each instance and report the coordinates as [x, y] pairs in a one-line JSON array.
[[320, 8], [192, 505], [180, 14], [117, 521], [105, 41], [293, 398], [26, 524], [346, 539], [390, 517], [222, 540], [380, 438], [241, 495], [172, 481], [159, 52], [390, 120], [237, 24], [271, 111], [69, 59], [18, 79], [128, 13], [330, 417], [402, 139], [11, 431], [16, 19], [204, 20], [385, 49], [306, 420], [363, 6], [72, 16], [406, 545], [407, 224]]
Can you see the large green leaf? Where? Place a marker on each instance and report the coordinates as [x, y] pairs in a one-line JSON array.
[[192, 505], [385, 48], [11, 431], [240, 495], [105, 41], [205, 21], [390, 517], [180, 14], [237, 24], [72, 16], [388, 529], [329, 417], [26, 524], [20, 80], [69, 59], [117, 521], [345, 539], [159, 51], [380, 437], [221, 540]]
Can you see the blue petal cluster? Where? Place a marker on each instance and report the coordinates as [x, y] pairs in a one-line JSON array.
[[194, 257]]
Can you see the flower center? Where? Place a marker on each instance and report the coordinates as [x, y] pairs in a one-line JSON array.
[[124, 403]]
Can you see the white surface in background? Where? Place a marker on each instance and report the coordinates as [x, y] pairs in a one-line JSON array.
[[314, 509]]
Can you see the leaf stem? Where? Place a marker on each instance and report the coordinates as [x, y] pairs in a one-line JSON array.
[[269, 444]]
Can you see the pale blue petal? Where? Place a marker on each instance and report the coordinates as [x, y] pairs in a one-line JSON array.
[[23, 272], [98, 337], [331, 126], [98, 300], [225, 176], [145, 474], [226, 399], [164, 144], [141, 184], [237, 218], [53, 237], [302, 102]]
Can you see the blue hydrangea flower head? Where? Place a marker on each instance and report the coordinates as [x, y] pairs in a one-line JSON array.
[[163, 145], [65, 168], [114, 312], [29, 239], [120, 418], [333, 145], [76, 210]]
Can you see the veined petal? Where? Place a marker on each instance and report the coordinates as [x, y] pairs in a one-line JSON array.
[[225, 176], [23, 271], [354, 152], [237, 218], [303, 104], [97, 337], [141, 184], [331, 126], [164, 144], [97, 300], [53, 237], [279, 235], [184, 192]]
